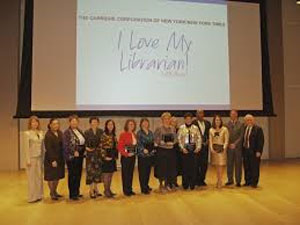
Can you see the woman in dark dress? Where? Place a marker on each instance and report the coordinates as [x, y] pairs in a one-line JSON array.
[[108, 145], [145, 154], [74, 149], [93, 156], [54, 164], [165, 138]]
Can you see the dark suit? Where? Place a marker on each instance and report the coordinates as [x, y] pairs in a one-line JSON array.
[[203, 158], [251, 162]]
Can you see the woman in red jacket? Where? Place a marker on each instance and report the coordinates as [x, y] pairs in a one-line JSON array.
[[127, 147]]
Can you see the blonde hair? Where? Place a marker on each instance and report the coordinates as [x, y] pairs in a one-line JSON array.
[[30, 121], [166, 114]]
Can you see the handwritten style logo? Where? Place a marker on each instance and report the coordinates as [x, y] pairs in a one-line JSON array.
[[153, 54]]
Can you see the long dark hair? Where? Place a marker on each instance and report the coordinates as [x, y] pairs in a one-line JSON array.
[[113, 132], [214, 121], [50, 121]]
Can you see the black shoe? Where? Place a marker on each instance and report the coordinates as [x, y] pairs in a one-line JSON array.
[[80, 196], [192, 187], [185, 187], [92, 195], [58, 195], [146, 192], [149, 188], [74, 198], [238, 185], [98, 194], [254, 185], [203, 184], [176, 185], [229, 183], [132, 193], [112, 193], [54, 197], [246, 185], [127, 194]]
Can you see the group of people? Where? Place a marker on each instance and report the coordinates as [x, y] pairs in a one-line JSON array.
[[173, 151]]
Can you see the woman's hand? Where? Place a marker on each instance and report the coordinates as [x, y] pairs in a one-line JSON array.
[[130, 154], [108, 158], [197, 150], [89, 149], [185, 151], [76, 154], [146, 151], [54, 164]]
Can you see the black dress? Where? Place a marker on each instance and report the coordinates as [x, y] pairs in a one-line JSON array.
[[54, 152], [93, 159], [108, 145]]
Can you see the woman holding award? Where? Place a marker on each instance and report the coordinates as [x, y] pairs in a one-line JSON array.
[[165, 138], [218, 143], [108, 145], [189, 139], [127, 147], [145, 154]]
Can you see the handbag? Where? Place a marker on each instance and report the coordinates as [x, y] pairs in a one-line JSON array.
[[218, 148]]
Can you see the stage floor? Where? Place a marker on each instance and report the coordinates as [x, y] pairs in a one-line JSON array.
[[276, 201]]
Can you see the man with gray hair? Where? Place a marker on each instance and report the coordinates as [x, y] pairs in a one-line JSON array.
[[234, 151], [253, 144]]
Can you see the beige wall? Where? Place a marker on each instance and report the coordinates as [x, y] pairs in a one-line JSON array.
[[9, 60], [291, 46]]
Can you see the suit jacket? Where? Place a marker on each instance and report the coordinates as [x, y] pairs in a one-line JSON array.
[[256, 139], [205, 136]]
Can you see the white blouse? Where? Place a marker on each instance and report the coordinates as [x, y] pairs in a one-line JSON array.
[[79, 136]]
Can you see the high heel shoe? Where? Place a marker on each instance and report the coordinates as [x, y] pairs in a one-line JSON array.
[[92, 194]]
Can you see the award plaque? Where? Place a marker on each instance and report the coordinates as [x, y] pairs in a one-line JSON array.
[[150, 148], [131, 149], [190, 147], [168, 137]]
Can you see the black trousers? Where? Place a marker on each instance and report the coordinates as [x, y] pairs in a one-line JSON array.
[[166, 165], [189, 170], [202, 165], [144, 167], [74, 176], [251, 167], [127, 164]]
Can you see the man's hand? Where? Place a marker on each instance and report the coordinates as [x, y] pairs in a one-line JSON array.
[[258, 154]]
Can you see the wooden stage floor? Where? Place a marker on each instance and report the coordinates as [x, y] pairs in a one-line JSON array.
[[276, 201]]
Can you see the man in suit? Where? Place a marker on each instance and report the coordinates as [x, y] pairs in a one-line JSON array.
[[253, 144], [234, 151], [203, 126]]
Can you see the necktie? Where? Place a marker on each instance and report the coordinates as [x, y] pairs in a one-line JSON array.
[[246, 143]]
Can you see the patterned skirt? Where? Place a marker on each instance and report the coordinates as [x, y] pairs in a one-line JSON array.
[[93, 167]]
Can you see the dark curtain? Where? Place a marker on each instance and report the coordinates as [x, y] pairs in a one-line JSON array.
[[24, 95], [24, 100]]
